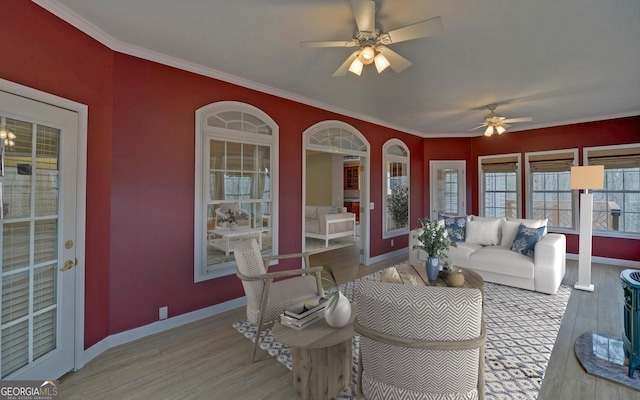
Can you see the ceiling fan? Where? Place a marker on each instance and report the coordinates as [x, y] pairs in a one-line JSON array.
[[371, 41], [497, 123]]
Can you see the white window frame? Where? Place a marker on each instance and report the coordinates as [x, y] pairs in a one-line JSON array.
[[529, 189], [481, 181], [386, 159], [205, 133], [609, 233]]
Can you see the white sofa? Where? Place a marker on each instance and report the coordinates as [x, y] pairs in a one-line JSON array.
[[497, 263], [323, 222]]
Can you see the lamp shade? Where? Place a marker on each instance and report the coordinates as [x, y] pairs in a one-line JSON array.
[[587, 177], [381, 62], [356, 67]]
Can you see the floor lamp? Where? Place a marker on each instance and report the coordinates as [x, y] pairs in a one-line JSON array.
[[586, 178]]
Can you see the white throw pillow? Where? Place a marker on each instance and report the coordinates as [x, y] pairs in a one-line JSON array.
[[483, 232], [478, 218], [509, 232]]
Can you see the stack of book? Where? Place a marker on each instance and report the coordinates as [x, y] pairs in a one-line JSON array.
[[304, 314]]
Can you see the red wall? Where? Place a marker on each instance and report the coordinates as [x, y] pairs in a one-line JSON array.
[[40, 51], [600, 133], [153, 186], [140, 177], [141, 167]]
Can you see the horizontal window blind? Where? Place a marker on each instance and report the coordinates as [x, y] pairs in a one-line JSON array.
[[551, 162], [626, 157], [500, 164]]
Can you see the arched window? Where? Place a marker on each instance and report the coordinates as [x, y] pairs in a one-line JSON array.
[[396, 188], [335, 136], [236, 184]]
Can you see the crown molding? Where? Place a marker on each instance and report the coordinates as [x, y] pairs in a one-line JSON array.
[[114, 44], [77, 21]]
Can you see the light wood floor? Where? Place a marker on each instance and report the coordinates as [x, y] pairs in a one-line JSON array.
[[208, 359]]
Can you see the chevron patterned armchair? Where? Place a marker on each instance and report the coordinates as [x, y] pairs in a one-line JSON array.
[[419, 342]]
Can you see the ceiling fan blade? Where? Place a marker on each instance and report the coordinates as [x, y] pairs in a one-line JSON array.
[[398, 63], [477, 127], [430, 27], [344, 68], [328, 43], [512, 120], [365, 13]]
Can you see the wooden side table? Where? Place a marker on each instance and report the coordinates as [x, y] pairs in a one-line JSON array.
[[321, 357]]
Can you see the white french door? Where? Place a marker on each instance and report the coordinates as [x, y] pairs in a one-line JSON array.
[[38, 240], [448, 188]]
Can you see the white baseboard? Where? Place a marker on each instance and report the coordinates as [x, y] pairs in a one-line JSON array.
[[157, 327], [611, 261], [179, 320], [387, 256]]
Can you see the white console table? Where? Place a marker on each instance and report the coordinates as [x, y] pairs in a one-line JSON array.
[[227, 234]]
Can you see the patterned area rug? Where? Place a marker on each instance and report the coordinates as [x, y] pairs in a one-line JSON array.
[[521, 330]]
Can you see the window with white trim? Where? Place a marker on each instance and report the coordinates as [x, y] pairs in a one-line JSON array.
[[500, 186], [549, 193], [616, 208], [236, 158], [396, 188]]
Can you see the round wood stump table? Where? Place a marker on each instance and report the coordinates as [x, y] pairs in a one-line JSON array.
[[321, 357], [416, 274]]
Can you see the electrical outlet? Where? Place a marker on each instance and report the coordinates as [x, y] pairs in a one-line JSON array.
[[163, 312], [392, 243]]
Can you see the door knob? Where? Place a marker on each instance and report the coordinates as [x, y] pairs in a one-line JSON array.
[[69, 264]]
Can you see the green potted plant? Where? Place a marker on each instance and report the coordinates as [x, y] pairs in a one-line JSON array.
[[435, 242], [398, 206]]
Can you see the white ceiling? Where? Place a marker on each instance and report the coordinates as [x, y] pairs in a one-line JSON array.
[[556, 61]]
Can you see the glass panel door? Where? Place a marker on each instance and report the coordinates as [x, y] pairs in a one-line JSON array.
[[448, 192], [37, 314]]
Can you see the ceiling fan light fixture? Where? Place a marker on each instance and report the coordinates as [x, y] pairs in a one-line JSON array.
[[381, 62], [356, 66], [368, 53], [7, 137], [500, 129], [489, 131]]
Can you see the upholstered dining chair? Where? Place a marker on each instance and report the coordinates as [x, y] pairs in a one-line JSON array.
[[267, 299], [419, 342]]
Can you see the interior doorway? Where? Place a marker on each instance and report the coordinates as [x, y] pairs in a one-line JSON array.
[[336, 174]]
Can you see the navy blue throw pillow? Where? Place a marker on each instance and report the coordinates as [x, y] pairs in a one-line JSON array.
[[526, 240], [456, 227]]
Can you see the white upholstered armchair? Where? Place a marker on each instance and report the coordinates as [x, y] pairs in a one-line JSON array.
[[419, 342], [267, 299]]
